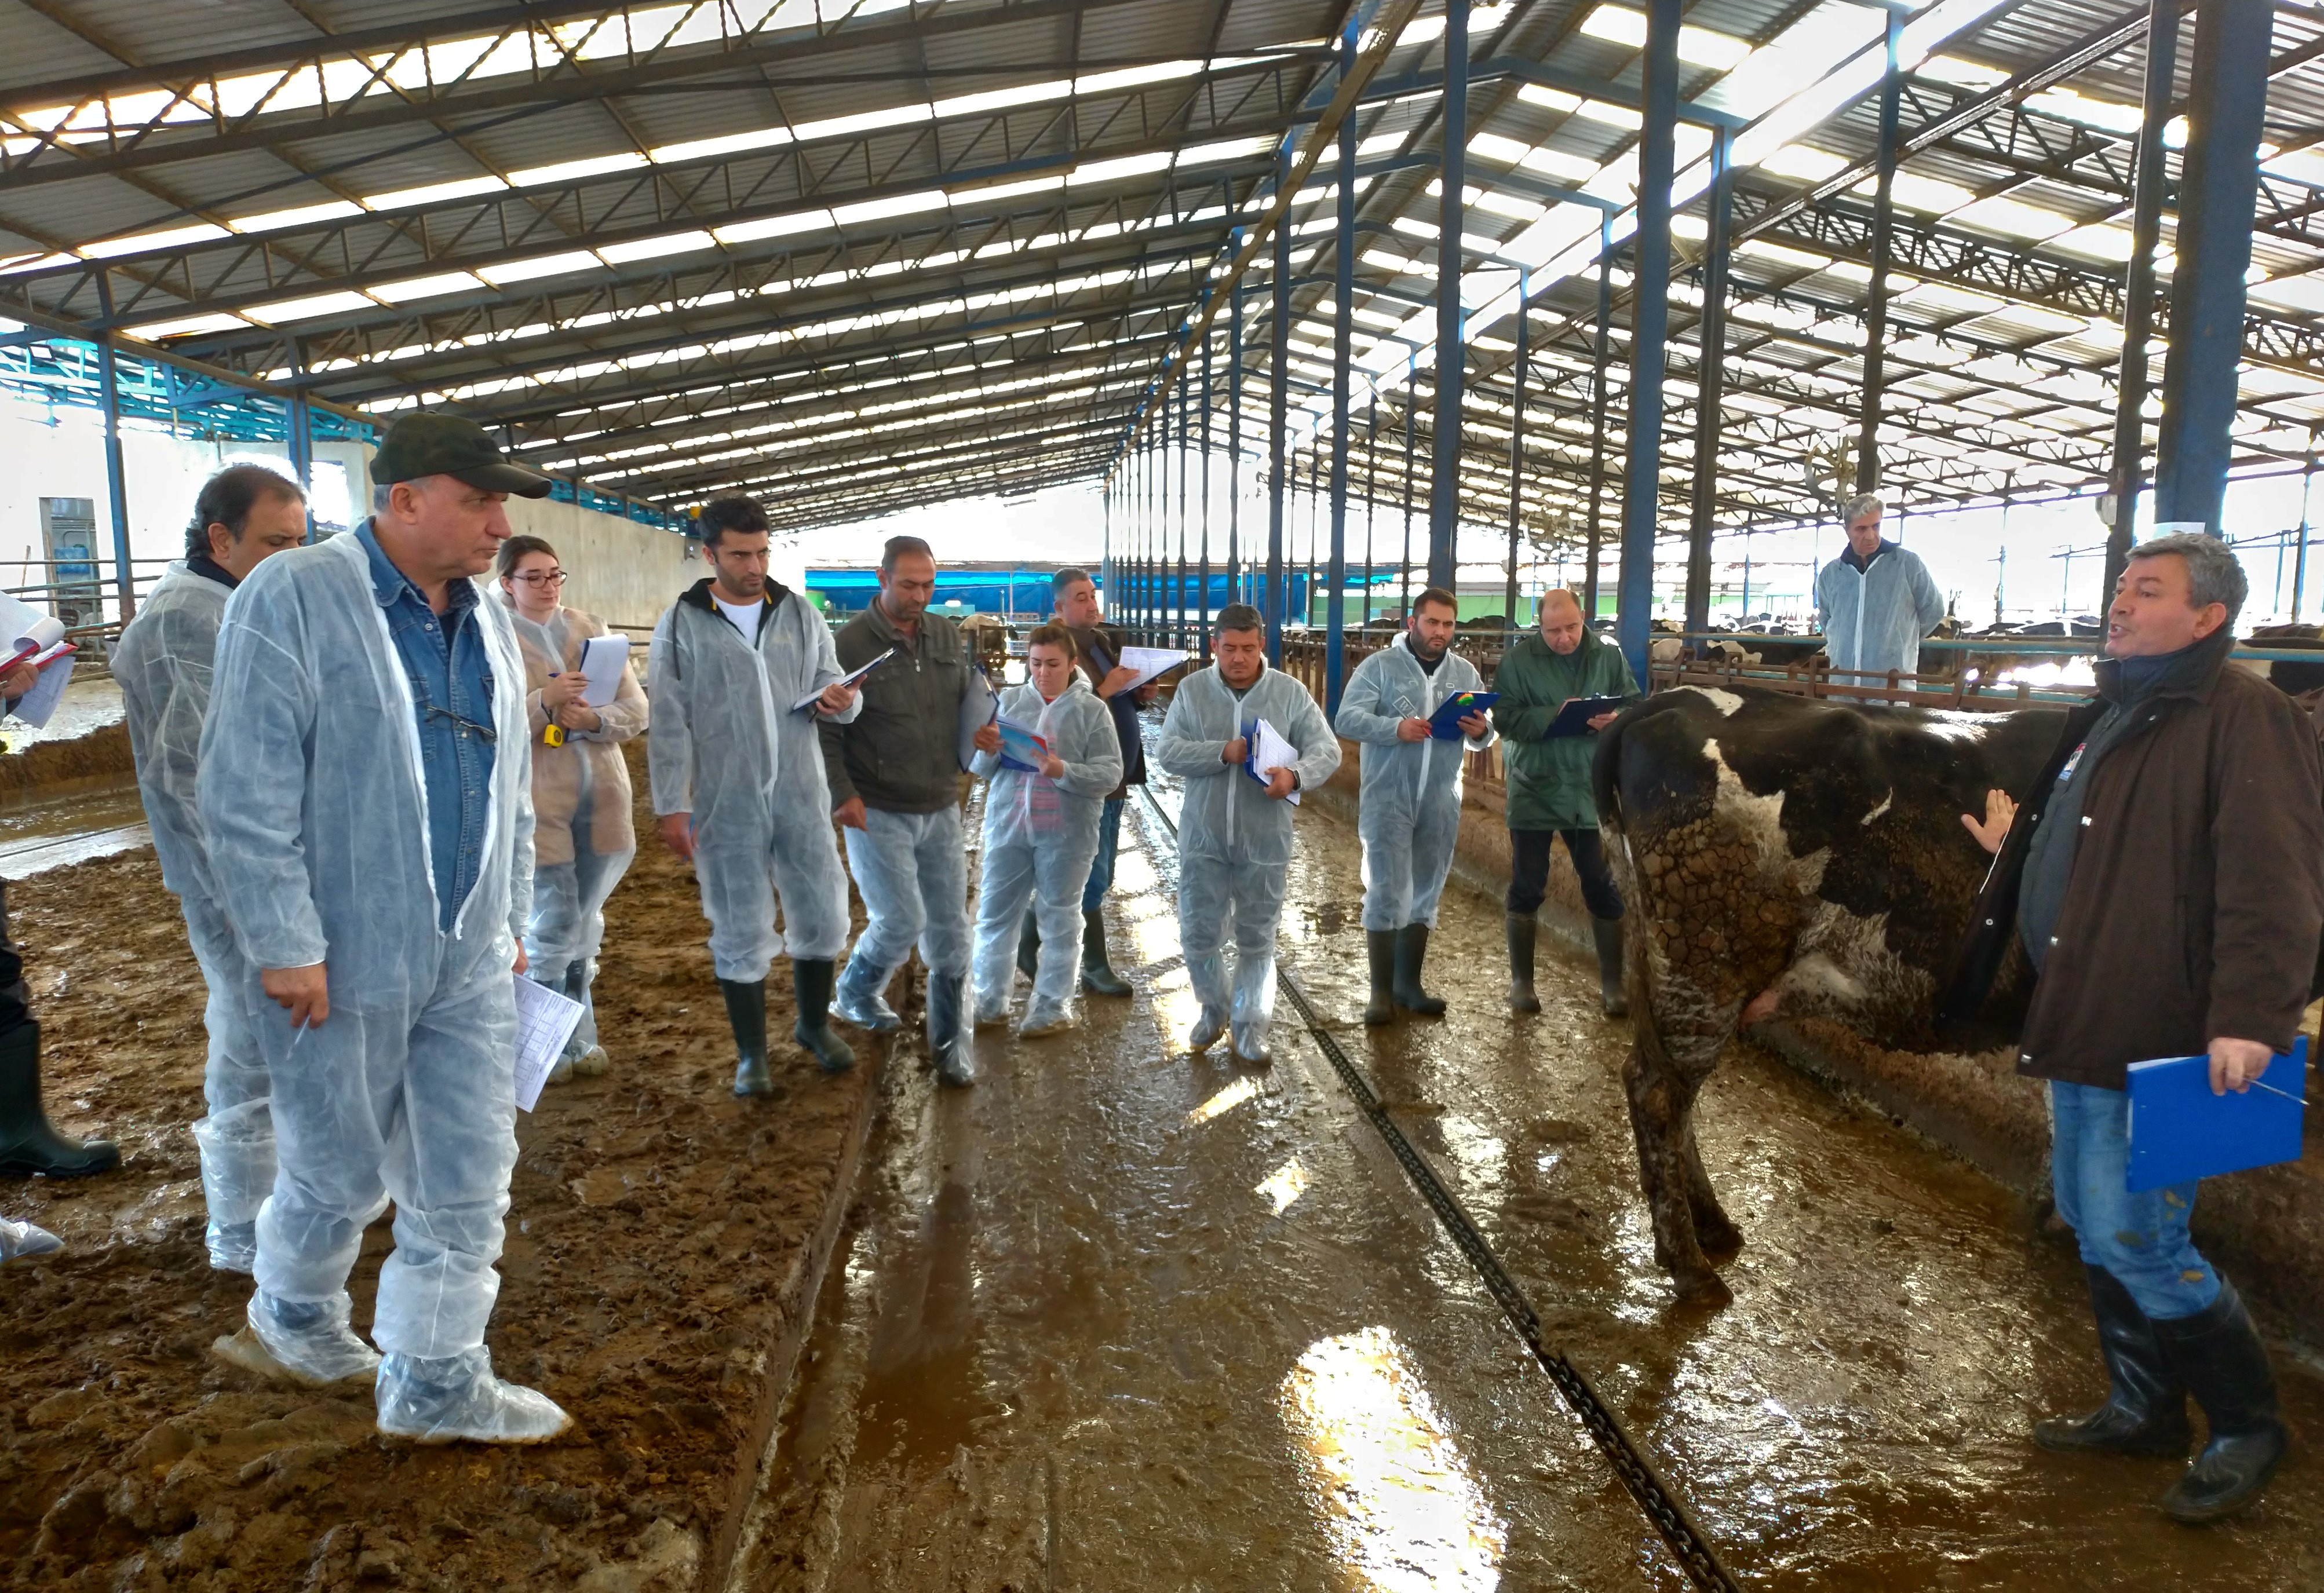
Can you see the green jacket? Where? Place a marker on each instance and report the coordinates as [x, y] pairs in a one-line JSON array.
[[1549, 779]]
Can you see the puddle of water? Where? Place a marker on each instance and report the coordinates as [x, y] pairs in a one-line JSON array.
[[1399, 1502]]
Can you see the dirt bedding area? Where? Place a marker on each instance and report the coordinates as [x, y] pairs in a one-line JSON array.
[[655, 1283]]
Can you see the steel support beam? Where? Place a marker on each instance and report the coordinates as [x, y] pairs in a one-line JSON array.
[[1598, 416], [1875, 319], [1278, 418], [2226, 103], [1343, 327], [1411, 412], [1444, 472], [1649, 325], [1711, 369], [1517, 448], [1234, 446], [1203, 603], [2128, 475]]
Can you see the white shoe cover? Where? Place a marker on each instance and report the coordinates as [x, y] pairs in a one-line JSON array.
[[1045, 1019], [299, 1343], [444, 1401], [234, 1246], [19, 1239]]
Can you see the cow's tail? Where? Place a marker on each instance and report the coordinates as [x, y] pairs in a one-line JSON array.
[[1605, 775]]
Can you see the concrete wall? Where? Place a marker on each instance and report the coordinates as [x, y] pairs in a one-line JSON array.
[[624, 573]]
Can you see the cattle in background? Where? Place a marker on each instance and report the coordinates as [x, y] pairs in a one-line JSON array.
[[2293, 679], [1785, 851]]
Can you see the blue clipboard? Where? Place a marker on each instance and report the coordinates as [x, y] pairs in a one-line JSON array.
[[2179, 1131], [1444, 725]]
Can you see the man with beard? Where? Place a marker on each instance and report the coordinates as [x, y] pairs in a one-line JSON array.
[[1411, 813]]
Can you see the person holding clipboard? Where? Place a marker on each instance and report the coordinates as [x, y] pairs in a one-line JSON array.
[[1559, 687], [583, 837], [2165, 878], [1414, 706], [738, 782]]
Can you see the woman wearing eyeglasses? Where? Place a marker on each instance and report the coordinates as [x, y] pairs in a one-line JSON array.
[[583, 838]]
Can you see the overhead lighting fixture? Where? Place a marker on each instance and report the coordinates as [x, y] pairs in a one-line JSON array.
[[655, 248], [200, 232], [308, 308], [300, 216], [428, 287], [546, 266], [436, 193]]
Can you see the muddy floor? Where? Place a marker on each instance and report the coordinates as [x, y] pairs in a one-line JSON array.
[[1122, 1318], [656, 1223]]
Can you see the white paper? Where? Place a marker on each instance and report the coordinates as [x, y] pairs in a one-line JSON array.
[[37, 706], [545, 1020], [1151, 661], [28, 631], [1270, 751], [850, 678], [603, 660]]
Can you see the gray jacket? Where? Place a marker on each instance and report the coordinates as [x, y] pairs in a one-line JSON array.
[[901, 754]]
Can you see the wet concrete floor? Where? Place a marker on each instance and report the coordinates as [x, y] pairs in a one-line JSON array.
[[37, 836], [1120, 1318]]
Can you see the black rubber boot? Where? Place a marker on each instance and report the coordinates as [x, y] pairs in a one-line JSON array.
[[1608, 934], [2218, 1356], [1098, 977], [1411, 951], [1380, 951], [28, 1145], [948, 1029], [1028, 946], [1525, 929], [746, 1014], [2145, 1412], [811, 989]]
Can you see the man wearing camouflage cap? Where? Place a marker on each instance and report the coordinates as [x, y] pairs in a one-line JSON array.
[[365, 785]]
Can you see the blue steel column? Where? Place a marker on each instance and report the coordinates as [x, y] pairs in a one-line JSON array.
[[1178, 574], [1371, 495], [1711, 381], [1598, 415], [1445, 464], [1279, 336], [1234, 446], [1203, 603], [116, 480], [1517, 453], [2219, 181], [1343, 321], [1876, 319], [2128, 474], [1411, 413], [1649, 325]]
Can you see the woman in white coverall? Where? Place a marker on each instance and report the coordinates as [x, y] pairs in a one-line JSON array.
[[1234, 832], [1040, 832], [583, 838]]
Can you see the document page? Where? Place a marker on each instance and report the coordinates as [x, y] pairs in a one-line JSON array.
[[545, 1020], [603, 659]]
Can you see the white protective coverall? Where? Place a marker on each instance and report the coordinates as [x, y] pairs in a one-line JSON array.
[[314, 801], [583, 838], [1234, 840], [162, 663], [1411, 813], [1040, 837], [728, 748], [1875, 619]]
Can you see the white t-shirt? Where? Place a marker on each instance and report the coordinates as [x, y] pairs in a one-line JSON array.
[[745, 615]]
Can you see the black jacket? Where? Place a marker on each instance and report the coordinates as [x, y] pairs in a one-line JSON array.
[[902, 752]]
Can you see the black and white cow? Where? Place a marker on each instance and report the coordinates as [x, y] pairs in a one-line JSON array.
[[1782, 850]]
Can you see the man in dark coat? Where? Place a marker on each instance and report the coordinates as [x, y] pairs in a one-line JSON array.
[[2166, 880]]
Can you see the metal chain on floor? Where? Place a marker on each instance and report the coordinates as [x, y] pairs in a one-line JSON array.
[[1664, 1510]]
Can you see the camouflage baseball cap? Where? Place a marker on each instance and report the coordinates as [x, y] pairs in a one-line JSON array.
[[424, 444]]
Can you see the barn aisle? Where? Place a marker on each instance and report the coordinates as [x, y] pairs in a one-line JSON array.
[[1119, 1318]]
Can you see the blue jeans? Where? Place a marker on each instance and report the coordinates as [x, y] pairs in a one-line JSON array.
[[2141, 1238], [1108, 842]]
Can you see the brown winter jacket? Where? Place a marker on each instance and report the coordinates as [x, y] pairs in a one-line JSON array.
[[2196, 898], [557, 770]]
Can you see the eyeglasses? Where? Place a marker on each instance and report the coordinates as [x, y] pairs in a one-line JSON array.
[[541, 578]]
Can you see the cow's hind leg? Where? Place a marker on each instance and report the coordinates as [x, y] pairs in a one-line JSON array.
[[1713, 1229], [1660, 1099]]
